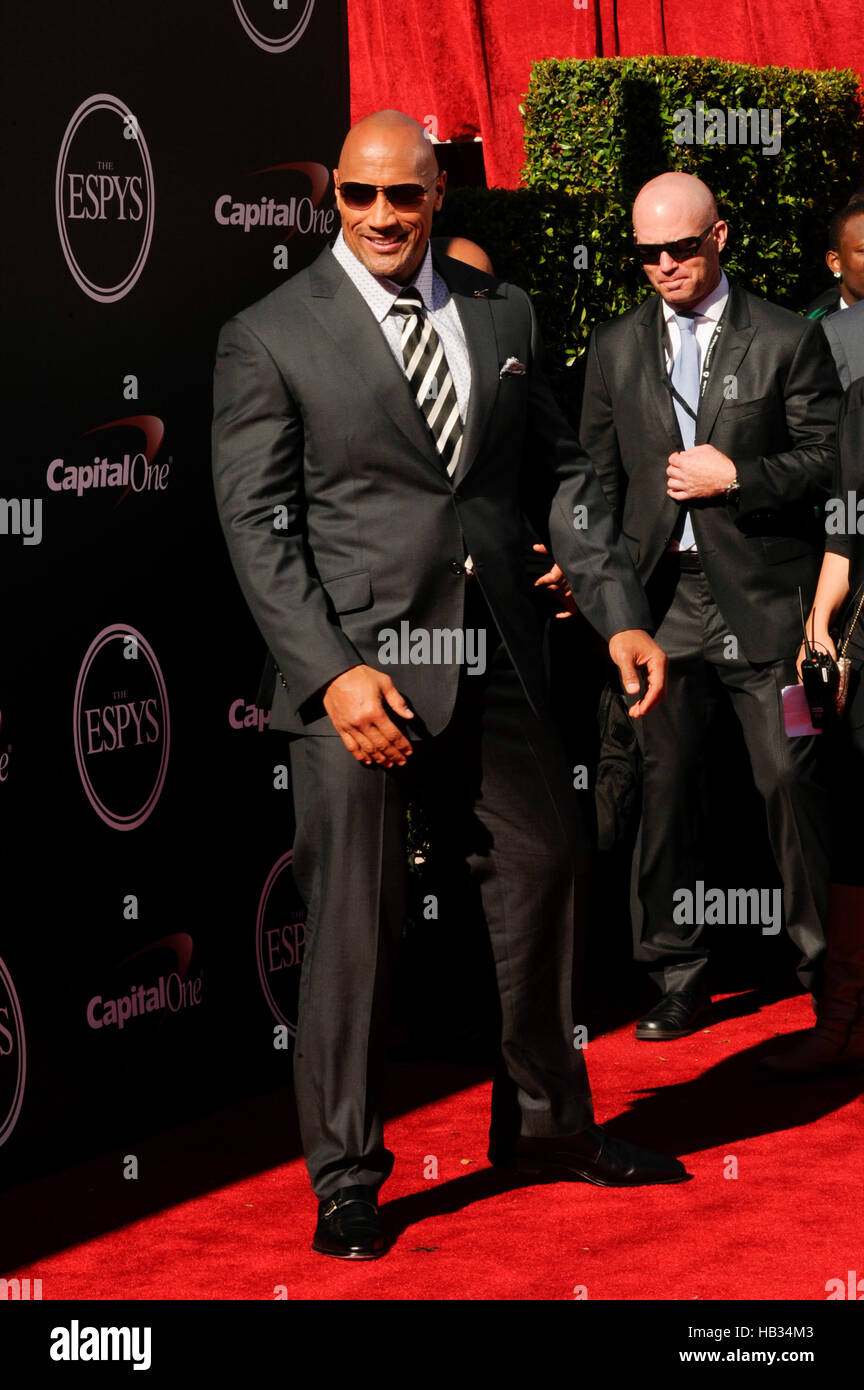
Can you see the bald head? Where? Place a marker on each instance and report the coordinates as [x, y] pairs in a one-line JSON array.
[[388, 150], [385, 135], [670, 208], [674, 197]]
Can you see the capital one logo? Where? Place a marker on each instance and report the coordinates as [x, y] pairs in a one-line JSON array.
[[121, 727], [274, 25], [277, 206], [13, 1056], [154, 981], [120, 466], [104, 198], [280, 937]]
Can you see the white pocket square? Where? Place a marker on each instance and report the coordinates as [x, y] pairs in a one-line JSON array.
[[512, 367]]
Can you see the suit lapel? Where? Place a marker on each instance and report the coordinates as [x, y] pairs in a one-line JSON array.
[[475, 314], [736, 334], [651, 334], [650, 338], [344, 315]]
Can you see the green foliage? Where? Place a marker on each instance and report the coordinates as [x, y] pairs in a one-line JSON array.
[[597, 129]]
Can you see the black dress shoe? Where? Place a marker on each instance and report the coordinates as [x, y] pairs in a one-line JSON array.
[[348, 1225], [676, 1015], [592, 1155]]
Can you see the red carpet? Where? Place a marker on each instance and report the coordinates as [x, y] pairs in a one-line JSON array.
[[790, 1221]]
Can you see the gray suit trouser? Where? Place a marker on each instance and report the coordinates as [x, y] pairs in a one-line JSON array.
[[497, 794], [704, 663]]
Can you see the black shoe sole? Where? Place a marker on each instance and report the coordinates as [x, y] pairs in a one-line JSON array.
[[700, 1020], [569, 1171], [654, 1034], [349, 1254]]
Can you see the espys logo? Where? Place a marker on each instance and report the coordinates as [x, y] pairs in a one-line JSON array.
[[164, 986], [13, 1056], [274, 25], [280, 936], [104, 198], [121, 727], [121, 463]]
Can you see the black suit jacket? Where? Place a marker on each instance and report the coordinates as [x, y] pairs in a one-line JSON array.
[[314, 415], [771, 406], [845, 333]]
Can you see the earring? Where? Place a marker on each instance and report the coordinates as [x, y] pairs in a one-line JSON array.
[[838, 274]]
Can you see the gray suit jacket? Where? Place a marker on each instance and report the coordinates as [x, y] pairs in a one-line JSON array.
[[314, 416], [770, 406], [845, 333]]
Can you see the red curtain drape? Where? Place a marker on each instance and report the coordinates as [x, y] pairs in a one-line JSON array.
[[465, 64]]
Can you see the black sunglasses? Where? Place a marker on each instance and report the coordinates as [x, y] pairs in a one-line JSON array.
[[680, 250], [401, 196]]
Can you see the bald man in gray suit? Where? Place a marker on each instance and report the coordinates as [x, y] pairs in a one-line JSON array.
[[388, 408]]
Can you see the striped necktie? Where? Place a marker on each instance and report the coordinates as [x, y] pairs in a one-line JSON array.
[[429, 376]]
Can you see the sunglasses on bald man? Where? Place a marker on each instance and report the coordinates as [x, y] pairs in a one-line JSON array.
[[681, 250], [402, 197]]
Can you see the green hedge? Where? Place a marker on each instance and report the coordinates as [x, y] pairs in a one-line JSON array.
[[597, 129]]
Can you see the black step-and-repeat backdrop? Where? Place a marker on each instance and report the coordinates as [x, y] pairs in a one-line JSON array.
[[165, 165]]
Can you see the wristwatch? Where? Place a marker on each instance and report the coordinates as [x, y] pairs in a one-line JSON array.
[[731, 490]]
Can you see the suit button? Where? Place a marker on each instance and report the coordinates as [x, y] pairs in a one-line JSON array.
[[456, 567]]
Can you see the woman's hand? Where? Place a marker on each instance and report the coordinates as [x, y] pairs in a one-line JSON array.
[[820, 640]]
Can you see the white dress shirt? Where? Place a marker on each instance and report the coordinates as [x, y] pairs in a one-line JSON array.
[[709, 311]]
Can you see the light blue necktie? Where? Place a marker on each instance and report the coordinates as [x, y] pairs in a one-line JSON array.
[[685, 378]]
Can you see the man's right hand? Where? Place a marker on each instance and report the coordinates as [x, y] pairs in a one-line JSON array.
[[357, 704]]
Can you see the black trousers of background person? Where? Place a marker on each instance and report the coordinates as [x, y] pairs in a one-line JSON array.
[[703, 666], [497, 791]]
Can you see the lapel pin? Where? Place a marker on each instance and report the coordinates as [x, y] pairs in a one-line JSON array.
[[480, 294]]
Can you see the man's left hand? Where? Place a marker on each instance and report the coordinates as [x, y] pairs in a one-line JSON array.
[[554, 581], [635, 648], [698, 472]]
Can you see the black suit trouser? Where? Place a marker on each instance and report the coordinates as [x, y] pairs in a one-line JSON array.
[[497, 794], [703, 664]]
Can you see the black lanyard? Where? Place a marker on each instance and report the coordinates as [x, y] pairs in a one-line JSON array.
[[704, 375]]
